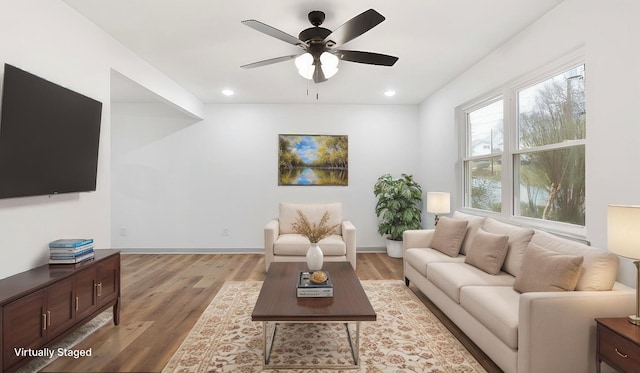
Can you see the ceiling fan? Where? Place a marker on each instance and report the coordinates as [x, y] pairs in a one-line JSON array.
[[320, 55]]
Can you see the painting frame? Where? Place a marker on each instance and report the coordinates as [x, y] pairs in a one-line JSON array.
[[313, 160]]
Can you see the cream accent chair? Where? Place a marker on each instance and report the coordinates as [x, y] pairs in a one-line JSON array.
[[282, 244]]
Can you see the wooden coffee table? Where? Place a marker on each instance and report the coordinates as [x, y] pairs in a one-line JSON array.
[[277, 302]]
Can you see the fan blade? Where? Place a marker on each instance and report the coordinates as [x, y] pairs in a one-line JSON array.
[[354, 27], [271, 31], [367, 57], [270, 61]]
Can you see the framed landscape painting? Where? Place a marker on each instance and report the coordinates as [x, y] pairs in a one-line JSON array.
[[313, 160]]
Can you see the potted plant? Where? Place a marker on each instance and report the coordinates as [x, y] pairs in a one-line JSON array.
[[398, 209]]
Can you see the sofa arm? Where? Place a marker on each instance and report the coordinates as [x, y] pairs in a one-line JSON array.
[[416, 238], [556, 330], [349, 237], [271, 232]]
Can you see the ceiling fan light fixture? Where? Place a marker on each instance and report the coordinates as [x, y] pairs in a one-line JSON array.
[[329, 64], [304, 60], [304, 63]]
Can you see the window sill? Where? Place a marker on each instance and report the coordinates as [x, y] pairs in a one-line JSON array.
[[569, 231]]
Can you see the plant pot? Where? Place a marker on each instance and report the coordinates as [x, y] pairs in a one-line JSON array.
[[314, 257], [394, 248]]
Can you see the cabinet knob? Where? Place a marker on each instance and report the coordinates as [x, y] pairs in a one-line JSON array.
[[44, 321]]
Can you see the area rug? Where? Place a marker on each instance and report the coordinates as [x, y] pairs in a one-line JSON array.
[[69, 341], [406, 337]]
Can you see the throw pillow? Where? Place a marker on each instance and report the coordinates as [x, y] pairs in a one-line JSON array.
[[475, 222], [448, 236], [545, 270], [487, 251], [519, 238], [599, 269]]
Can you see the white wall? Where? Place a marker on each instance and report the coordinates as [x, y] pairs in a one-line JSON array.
[[187, 189], [178, 185], [610, 34], [49, 39]]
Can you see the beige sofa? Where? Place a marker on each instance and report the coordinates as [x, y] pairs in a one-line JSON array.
[[282, 244], [518, 316]]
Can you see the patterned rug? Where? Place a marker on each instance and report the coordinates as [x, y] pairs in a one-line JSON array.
[[406, 337]]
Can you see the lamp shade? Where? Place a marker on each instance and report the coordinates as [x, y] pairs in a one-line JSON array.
[[329, 64], [438, 202], [623, 230], [305, 66]]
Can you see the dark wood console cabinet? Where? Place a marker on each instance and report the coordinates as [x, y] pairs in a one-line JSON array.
[[44, 304]]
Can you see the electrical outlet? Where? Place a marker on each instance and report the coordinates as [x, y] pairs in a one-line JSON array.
[[225, 232], [123, 232]]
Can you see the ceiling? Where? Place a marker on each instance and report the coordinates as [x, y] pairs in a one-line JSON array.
[[201, 44]]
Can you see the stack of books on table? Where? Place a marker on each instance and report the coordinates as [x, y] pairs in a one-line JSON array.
[[310, 289], [70, 251]]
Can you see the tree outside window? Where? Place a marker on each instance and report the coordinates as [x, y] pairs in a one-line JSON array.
[[550, 164], [543, 153]]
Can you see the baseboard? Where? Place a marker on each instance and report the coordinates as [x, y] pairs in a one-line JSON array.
[[222, 250], [371, 249], [191, 251]]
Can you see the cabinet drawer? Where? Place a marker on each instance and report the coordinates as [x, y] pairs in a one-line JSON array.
[[618, 351]]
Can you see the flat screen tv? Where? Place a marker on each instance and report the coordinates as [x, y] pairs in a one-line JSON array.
[[49, 137]]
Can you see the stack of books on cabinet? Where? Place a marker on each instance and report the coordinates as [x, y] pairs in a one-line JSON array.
[[70, 251]]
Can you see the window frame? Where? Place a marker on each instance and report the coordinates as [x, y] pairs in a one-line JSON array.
[[510, 196], [466, 150]]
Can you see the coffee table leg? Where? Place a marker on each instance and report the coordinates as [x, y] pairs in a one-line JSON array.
[[268, 345], [357, 360], [355, 350]]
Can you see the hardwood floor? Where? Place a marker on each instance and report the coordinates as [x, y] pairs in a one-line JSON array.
[[164, 295]]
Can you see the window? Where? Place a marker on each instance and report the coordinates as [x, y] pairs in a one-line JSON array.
[[485, 147], [532, 163]]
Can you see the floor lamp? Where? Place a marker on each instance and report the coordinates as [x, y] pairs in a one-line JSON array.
[[438, 203], [623, 234]]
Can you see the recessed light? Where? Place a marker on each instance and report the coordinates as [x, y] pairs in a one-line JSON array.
[[390, 93], [227, 92]]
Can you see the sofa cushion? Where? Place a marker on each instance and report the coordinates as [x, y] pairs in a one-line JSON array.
[[474, 222], [297, 244], [451, 277], [599, 269], [313, 212], [448, 236], [487, 251], [420, 258], [519, 239], [495, 307], [545, 270]]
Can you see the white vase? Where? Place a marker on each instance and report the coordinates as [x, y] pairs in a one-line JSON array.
[[314, 257]]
